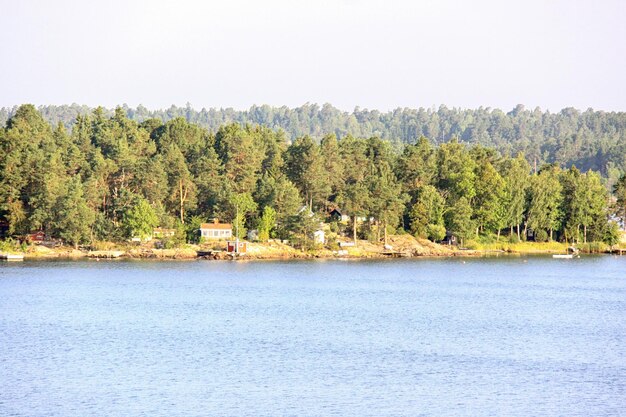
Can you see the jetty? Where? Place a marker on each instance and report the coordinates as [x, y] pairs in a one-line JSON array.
[[105, 254], [396, 254], [209, 254]]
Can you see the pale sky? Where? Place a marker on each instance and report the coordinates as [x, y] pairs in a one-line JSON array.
[[376, 54]]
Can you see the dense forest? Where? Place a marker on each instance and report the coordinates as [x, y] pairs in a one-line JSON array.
[[110, 178], [591, 139]]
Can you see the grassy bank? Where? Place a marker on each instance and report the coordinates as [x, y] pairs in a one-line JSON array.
[[539, 247]]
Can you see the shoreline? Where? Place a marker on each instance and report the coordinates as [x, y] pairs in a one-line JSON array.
[[403, 247]]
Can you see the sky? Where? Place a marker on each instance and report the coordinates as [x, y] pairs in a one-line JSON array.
[[375, 54]]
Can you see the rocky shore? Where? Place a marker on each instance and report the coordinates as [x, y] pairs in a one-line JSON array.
[[398, 246]]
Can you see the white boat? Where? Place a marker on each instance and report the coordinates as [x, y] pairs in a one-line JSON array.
[[568, 256], [11, 257]]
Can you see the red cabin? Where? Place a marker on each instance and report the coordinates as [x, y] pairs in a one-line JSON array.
[[231, 245], [36, 237]]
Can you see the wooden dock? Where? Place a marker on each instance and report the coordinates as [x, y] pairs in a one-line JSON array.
[[11, 256], [105, 254], [209, 254], [396, 254]]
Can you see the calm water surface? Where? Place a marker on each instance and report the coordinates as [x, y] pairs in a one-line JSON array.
[[480, 337]]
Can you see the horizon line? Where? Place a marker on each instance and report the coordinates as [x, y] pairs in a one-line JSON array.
[[356, 108]]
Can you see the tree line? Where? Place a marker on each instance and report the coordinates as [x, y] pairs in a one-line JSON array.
[[110, 178], [590, 139]]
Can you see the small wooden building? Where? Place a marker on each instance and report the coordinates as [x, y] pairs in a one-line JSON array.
[[337, 215], [450, 239], [36, 237], [216, 230], [231, 246]]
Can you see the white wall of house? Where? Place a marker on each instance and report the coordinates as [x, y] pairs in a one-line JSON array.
[[215, 233]]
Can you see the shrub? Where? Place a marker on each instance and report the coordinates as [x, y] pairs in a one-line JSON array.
[[333, 244], [611, 234], [9, 245], [471, 244], [541, 236], [487, 239], [593, 247], [436, 232]]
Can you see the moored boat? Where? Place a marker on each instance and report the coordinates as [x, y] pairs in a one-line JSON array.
[[12, 256]]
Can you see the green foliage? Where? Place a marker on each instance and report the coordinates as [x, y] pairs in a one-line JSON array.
[[267, 223], [242, 205], [428, 210], [456, 173], [110, 176], [182, 189], [591, 139], [611, 234], [306, 169], [11, 246], [513, 239], [541, 236], [241, 156], [191, 229], [74, 217], [459, 219], [489, 202], [544, 209], [140, 220], [417, 166], [516, 174], [279, 193], [472, 245], [301, 227], [620, 196], [435, 232]]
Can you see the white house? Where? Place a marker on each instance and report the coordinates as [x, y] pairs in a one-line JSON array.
[[216, 230]]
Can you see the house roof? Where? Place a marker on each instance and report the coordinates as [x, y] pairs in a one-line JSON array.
[[216, 226]]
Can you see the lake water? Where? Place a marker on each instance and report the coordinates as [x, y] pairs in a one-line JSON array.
[[513, 336]]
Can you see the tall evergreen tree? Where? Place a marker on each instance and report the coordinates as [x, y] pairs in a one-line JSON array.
[[74, 217], [306, 170]]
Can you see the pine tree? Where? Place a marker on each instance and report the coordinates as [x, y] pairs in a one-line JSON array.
[[74, 217], [182, 194], [306, 170]]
